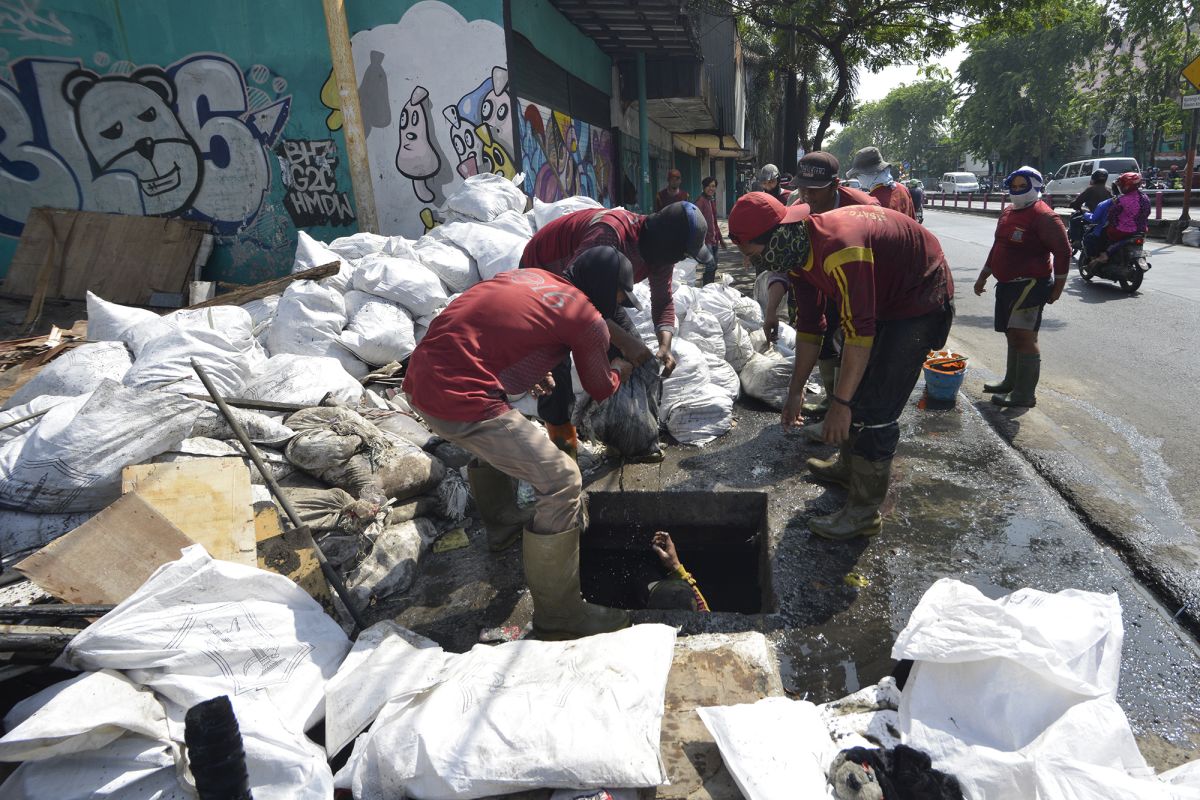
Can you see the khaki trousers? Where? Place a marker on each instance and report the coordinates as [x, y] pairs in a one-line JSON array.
[[519, 449]]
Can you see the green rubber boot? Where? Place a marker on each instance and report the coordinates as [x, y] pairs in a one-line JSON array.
[[552, 572], [496, 498], [860, 516], [1025, 381], [834, 470], [829, 375], [1006, 385]]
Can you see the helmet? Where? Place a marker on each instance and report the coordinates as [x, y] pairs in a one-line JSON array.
[[1099, 175], [1129, 181]]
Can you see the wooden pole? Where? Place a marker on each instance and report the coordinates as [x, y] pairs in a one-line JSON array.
[[352, 128]]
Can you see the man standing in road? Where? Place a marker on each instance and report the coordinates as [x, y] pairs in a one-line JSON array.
[[818, 185], [653, 244], [501, 337], [1029, 236], [895, 292], [672, 192], [875, 175]]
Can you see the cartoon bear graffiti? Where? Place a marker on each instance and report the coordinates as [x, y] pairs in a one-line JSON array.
[[127, 124], [480, 126], [417, 157]]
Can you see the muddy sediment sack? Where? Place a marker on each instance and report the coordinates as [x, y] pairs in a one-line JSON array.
[[341, 448]]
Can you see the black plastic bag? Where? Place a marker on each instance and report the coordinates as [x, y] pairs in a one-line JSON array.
[[628, 421]]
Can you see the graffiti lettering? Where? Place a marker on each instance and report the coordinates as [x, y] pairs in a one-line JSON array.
[[189, 140], [309, 173], [21, 18]]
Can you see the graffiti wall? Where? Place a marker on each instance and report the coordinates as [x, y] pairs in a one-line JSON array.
[[437, 108], [562, 156], [208, 134]]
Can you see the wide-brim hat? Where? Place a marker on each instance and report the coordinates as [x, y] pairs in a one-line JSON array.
[[868, 160]]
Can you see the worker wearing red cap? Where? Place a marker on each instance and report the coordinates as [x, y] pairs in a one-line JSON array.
[[673, 192], [653, 244], [893, 287]]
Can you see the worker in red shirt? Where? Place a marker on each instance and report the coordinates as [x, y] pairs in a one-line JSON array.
[[818, 185], [502, 337], [893, 288], [876, 178], [672, 192], [1029, 237], [653, 244]]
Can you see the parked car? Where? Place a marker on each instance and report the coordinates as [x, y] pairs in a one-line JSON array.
[[1072, 178], [959, 183]]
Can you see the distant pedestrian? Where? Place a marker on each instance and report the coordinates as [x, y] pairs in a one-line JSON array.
[[1030, 240], [768, 181], [672, 193], [707, 203], [875, 175], [1173, 176]]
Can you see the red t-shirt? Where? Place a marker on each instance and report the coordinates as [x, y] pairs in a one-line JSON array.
[[849, 196], [1026, 239], [555, 246], [877, 264], [501, 337], [709, 209], [896, 197], [665, 197]]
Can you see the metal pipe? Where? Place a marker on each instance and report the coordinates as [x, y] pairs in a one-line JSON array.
[[327, 569], [53, 610]]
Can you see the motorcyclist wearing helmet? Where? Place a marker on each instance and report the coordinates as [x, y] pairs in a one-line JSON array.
[[1118, 218], [1095, 194]]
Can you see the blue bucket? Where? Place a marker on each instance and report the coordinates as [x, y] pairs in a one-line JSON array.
[[942, 385]]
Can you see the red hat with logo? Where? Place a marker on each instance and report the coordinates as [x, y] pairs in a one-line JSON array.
[[758, 212]]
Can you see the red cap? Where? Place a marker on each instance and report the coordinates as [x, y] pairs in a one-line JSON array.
[[758, 212]]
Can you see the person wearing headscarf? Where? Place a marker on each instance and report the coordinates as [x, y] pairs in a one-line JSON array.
[[894, 290], [875, 176], [502, 337], [1030, 242], [653, 244]]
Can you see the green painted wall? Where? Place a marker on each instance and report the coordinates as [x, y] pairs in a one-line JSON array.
[[559, 40], [210, 111]]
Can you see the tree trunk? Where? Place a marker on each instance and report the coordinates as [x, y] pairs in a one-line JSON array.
[[843, 89], [790, 129]]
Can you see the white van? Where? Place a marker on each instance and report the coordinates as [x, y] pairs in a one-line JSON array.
[[959, 183], [1071, 179]]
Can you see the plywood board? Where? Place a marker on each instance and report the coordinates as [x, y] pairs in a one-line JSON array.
[[107, 558], [209, 499], [122, 258]]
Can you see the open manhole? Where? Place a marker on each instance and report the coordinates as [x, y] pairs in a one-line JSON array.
[[721, 538]]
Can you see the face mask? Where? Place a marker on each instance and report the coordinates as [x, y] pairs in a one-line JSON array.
[[1024, 200]]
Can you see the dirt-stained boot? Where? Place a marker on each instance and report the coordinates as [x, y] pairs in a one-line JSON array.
[[565, 438], [1028, 370], [552, 572], [1010, 371], [837, 469], [496, 498], [860, 516], [829, 375]]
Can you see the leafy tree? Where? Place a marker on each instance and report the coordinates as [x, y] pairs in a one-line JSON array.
[[1025, 98]]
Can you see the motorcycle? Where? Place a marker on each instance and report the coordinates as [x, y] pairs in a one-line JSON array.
[[1126, 265]]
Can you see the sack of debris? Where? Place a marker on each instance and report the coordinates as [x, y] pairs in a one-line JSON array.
[[628, 420], [391, 565], [166, 362], [308, 322], [75, 372], [357, 245], [690, 375], [72, 459], [545, 213], [338, 446], [723, 376], [767, 377], [701, 416], [402, 280], [492, 250], [485, 196], [446, 261], [302, 380], [310, 253], [703, 329], [380, 331]]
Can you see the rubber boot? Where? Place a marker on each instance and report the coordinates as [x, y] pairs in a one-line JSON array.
[[829, 374], [1025, 381], [1010, 372], [496, 498], [565, 438], [552, 572], [834, 470], [860, 516]]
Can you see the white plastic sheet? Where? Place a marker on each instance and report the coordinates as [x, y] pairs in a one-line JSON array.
[[72, 459], [1007, 694], [580, 714], [775, 749], [75, 372]]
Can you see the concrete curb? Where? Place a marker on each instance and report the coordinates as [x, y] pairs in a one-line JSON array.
[[1163, 553]]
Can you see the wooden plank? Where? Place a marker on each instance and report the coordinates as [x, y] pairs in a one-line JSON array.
[[245, 294], [109, 557], [208, 499], [120, 257]]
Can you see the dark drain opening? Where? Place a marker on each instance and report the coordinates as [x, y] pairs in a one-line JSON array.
[[721, 538]]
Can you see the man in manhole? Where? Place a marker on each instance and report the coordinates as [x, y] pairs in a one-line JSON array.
[[501, 337], [893, 288]]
